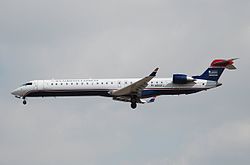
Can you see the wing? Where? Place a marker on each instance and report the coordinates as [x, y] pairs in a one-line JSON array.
[[136, 88]]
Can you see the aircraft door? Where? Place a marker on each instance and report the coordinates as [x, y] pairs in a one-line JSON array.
[[40, 84], [36, 85]]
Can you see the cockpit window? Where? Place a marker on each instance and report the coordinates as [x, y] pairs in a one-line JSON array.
[[29, 83]]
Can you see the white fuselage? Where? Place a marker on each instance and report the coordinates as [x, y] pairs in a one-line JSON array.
[[103, 87]]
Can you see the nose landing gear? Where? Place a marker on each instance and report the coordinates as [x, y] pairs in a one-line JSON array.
[[24, 101]]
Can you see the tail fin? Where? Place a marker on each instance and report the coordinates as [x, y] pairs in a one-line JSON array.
[[216, 68]]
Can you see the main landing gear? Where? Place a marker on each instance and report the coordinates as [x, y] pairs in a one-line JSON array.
[[133, 102], [133, 105]]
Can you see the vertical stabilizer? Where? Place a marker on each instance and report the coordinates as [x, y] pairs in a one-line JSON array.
[[216, 68]]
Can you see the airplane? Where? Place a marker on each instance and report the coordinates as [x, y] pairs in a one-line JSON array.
[[133, 90]]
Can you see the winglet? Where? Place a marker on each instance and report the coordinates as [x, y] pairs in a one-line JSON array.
[[151, 100], [153, 74]]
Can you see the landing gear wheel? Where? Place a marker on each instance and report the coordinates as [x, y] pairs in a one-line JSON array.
[[133, 102], [24, 102], [133, 105]]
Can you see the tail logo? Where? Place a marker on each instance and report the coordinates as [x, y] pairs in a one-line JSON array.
[[213, 73]]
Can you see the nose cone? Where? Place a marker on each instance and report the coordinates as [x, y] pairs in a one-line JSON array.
[[17, 92]]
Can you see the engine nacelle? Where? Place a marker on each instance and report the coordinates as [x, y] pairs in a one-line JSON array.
[[182, 79]]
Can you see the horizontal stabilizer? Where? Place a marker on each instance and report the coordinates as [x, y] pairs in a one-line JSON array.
[[221, 63], [231, 67]]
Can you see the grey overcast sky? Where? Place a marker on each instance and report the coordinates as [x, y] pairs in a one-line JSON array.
[[44, 39]]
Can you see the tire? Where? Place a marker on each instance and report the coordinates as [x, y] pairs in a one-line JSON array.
[[133, 105]]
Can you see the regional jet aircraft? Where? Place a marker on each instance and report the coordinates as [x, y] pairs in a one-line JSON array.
[[133, 90]]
